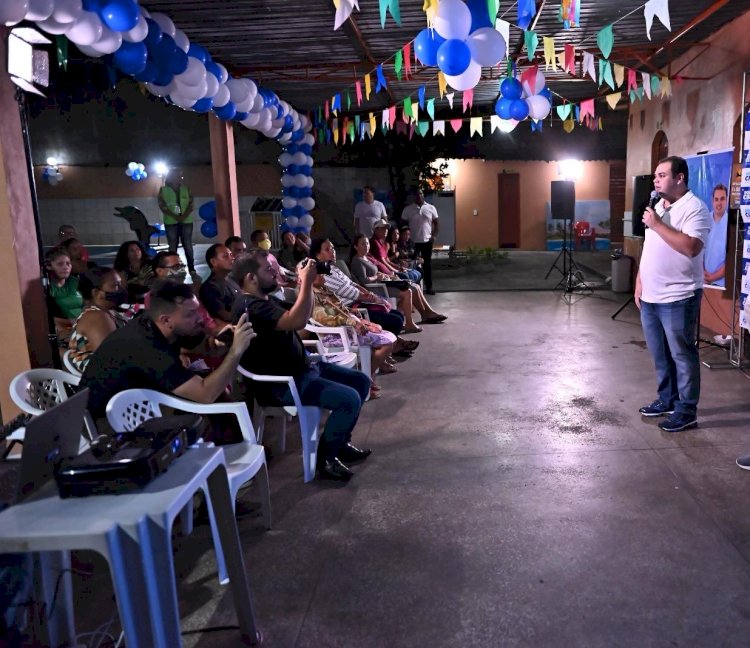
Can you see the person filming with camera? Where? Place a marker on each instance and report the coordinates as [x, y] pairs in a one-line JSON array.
[[278, 350]]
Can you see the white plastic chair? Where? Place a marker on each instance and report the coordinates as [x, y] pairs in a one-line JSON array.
[[362, 353], [68, 364], [37, 390], [308, 418], [128, 409]]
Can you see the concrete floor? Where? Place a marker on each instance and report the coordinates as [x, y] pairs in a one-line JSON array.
[[514, 497]]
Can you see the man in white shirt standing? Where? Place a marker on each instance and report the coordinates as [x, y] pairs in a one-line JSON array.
[[423, 222], [367, 211], [668, 292]]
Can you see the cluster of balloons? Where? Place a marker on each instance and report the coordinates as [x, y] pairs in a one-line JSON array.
[[297, 184], [462, 42], [136, 171], [52, 175], [521, 100], [207, 212]]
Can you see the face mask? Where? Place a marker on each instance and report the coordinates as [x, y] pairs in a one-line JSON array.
[[190, 341], [265, 245], [177, 275], [118, 297]]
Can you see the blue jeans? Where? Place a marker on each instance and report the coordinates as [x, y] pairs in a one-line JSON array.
[[671, 332], [340, 390], [181, 232], [411, 275]]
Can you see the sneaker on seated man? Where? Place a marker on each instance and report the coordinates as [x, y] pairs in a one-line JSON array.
[[278, 350]]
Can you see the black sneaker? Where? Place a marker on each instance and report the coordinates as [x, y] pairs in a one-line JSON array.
[[744, 462], [679, 421], [657, 408]]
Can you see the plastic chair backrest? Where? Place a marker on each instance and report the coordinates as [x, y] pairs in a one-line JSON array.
[[582, 228], [69, 366], [37, 390]]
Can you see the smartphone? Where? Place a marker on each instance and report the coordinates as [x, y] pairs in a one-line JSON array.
[[226, 336]]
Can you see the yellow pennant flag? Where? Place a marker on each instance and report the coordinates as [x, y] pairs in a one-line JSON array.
[[569, 125], [550, 60], [415, 113], [430, 9], [666, 87], [442, 84], [373, 123], [335, 129], [613, 99], [368, 87], [619, 71], [336, 3], [475, 126]]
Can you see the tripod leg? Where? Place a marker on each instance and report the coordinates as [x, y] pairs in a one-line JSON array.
[[554, 265], [622, 308]]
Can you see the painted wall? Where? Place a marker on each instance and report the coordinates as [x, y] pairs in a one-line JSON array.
[[475, 183], [701, 115]]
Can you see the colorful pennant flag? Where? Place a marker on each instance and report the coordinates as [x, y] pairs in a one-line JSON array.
[[438, 127], [526, 12], [563, 111], [660, 9], [569, 125], [619, 74], [449, 97], [570, 59], [442, 84], [423, 127], [343, 11], [646, 80], [588, 65], [494, 123], [421, 96], [398, 64], [456, 124], [390, 6], [613, 99], [431, 107], [605, 73], [407, 59], [368, 87], [531, 40], [381, 82], [550, 59], [632, 83], [605, 39], [475, 126], [468, 99], [373, 124]]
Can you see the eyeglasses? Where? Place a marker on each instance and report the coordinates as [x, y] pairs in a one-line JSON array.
[[177, 266]]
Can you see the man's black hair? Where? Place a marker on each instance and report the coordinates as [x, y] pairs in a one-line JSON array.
[[159, 257], [247, 264], [166, 296], [212, 252], [678, 165], [255, 235], [233, 239]]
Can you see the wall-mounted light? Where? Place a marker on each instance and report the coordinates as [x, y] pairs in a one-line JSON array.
[[52, 172], [569, 169], [160, 168]]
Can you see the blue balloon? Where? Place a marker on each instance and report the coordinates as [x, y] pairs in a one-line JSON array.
[[199, 52], [163, 78], [209, 229], [292, 169], [426, 45], [298, 210], [502, 107], [92, 5], [179, 62], [294, 192], [284, 228], [298, 135], [162, 51], [519, 109], [304, 192], [149, 74], [305, 170], [227, 111], [214, 69], [511, 89], [453, 57], [294, 148], [546, 92], [207, 211], [289, 121], [203, 105], [131, 58], [286, 211], [154, 34], [241, 116], [287, 191], [306, 149], [300, 230], [480, 16], [120, 15]]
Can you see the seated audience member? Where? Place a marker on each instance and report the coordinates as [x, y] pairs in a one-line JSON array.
[[236, 246], [329, 311], [63, 298], [145, 354], [406, 245], [76, 254], [218, 292], [133, 264], [103, 291], [301, 247], [168, 265], [395, 258], [278, 350], [66, 232], [259, 240], [285, 257]]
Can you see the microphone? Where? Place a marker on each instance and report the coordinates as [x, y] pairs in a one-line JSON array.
[[653, 198]]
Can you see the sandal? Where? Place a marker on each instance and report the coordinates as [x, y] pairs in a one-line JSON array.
[[409, 345], [413, 329], [387, 369], [373, 395], [374, 386]]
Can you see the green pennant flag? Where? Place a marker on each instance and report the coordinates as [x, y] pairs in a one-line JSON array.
[[351, 132], [509, 69], [356, 122], [348, 101], [493, 6], [531, 40], [398, 64], [605, 39], [605, 73], [655, 85], [431, 108], [321, 136], [423, 127], [407, 108]]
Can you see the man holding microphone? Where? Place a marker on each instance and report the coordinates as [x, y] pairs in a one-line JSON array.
[[668, 293]]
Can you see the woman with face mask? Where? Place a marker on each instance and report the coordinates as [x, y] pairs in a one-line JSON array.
[[103, 291]]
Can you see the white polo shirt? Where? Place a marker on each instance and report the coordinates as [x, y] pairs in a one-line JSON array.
[[365, 215], [666, 275], [421, 221]]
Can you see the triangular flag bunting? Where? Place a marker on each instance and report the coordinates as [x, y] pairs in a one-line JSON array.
[[468, 99], [408, 113], [536, 125], [343, 11], [632, 82], [475, 126], [494, 123], [430, 9], [392, 7], [569, 125], [526, 12], [588, 65], [666, 87], [563, 111], [423, 127], [456, 124], [412, 128], [326, 110], [431, 107], [605, 39], [605, 73], [528, 76], [438, 127], [550, 59], [381, 82], [407, 60], [415, 111], [449, 97], [335, 129], [442, 84], [398, 64], [493, 6], [421, 96], [348, 101], [373, 124], [646, 80], [660, 9], [368, 86], [655, 85], [613, 99], [570, 59], [619, 74], [358, 92], [392, 115], [386, 119], [531, 40]]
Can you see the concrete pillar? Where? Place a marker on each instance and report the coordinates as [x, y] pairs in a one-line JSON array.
[[225, 177], [23, 314]]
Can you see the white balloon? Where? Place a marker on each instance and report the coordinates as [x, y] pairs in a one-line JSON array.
[[181, 40], [52, 180], [287, 180], [296, 125], [86, 30], [285, 139], [539, 106], [292, 221], [157, 90], [165, 22], [257, 104], [300, 180], [299, 158], [195, 73], [129, 171], [39, 10], [487, 46], [285, 108], [309, 161], [272, 132], [212, 85], [66, 11], [310, 182], [238, 91], [193, 92], [453, 19], [251, 121], [308, 139], [288, 202], [221, 98], [51, 26], [244, 106], [89, 50], [537, 84], [467, 79], [278, 123], [139, 32], [182, 102], [307, 204], [251, 87], [110, 42], [132, 166]]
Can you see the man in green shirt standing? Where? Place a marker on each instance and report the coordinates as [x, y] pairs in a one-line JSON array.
[[176, 205]]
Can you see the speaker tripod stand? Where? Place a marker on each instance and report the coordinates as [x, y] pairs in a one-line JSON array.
[[572, 276]]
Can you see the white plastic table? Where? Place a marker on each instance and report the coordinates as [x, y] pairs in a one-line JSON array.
[[134, 533]]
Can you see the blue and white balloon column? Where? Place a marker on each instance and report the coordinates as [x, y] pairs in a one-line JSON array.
[[150, 48], [297, 183]]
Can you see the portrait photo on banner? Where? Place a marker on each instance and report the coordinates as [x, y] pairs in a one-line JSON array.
[[710, 177]]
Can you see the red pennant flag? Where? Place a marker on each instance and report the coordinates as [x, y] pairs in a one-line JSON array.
[[325, 110], [570, 59], [468, 98], [587, 108], [407, 60], [529, 75], [392, 115], [358, 89], [632, 81], [456, 124]]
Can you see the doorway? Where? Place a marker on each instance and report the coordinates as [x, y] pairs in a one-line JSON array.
[[509, 210]]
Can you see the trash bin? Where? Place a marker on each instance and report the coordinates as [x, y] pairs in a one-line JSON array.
[[622, 272]]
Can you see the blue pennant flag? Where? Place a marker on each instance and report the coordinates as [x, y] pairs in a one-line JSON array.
[[381, 85], [421, 98]]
